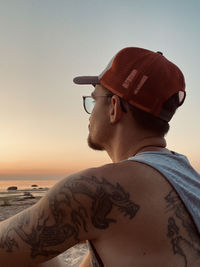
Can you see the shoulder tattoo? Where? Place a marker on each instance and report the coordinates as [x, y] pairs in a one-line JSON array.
[[68, 215]]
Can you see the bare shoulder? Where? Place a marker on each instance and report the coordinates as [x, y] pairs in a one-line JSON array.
[[91, 197]]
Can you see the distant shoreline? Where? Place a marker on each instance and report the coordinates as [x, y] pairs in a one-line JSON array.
[[24, 190], [29, 179], [28, 185]]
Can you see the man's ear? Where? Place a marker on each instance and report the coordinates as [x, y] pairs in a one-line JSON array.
[[115, 109]]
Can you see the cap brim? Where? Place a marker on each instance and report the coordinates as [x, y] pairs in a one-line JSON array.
[[86, 80]]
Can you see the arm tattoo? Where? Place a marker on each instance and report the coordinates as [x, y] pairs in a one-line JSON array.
[[182, 231], [68, 215]]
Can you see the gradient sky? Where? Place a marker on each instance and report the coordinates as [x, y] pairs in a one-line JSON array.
[[45, 43]]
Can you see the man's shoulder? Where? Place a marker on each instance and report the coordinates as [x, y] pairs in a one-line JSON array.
[[113, 170], [94, 199], [127, 176], [130, 171]]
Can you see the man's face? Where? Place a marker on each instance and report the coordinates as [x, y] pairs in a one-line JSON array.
[[99, 120]]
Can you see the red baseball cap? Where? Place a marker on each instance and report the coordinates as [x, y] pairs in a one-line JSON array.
[[144, 78]]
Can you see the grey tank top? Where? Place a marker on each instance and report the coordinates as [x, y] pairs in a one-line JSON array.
[[178, 171]]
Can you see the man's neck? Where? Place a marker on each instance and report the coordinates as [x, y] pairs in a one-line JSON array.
[[123, 149]]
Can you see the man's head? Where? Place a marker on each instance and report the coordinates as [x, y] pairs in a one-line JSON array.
[[151, 86]]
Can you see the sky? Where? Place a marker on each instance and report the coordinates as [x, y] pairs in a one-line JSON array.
[[44, 44]]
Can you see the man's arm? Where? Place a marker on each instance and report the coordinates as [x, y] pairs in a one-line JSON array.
[[57, 222], [77, 208]]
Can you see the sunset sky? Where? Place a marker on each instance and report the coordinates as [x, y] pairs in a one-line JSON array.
[[44, 44]]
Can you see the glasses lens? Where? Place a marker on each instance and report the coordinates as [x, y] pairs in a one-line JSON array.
[[89, 104]]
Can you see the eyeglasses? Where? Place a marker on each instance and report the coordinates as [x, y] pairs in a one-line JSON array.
[[89, 102]]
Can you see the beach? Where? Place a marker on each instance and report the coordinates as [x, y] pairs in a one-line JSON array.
[[72, 257]]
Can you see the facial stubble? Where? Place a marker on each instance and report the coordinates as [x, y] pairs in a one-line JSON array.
[[94, 145]]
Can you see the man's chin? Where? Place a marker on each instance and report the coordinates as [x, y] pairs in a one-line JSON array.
[[93, 145]]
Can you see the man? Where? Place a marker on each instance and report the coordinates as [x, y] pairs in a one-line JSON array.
[[141, 210]]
